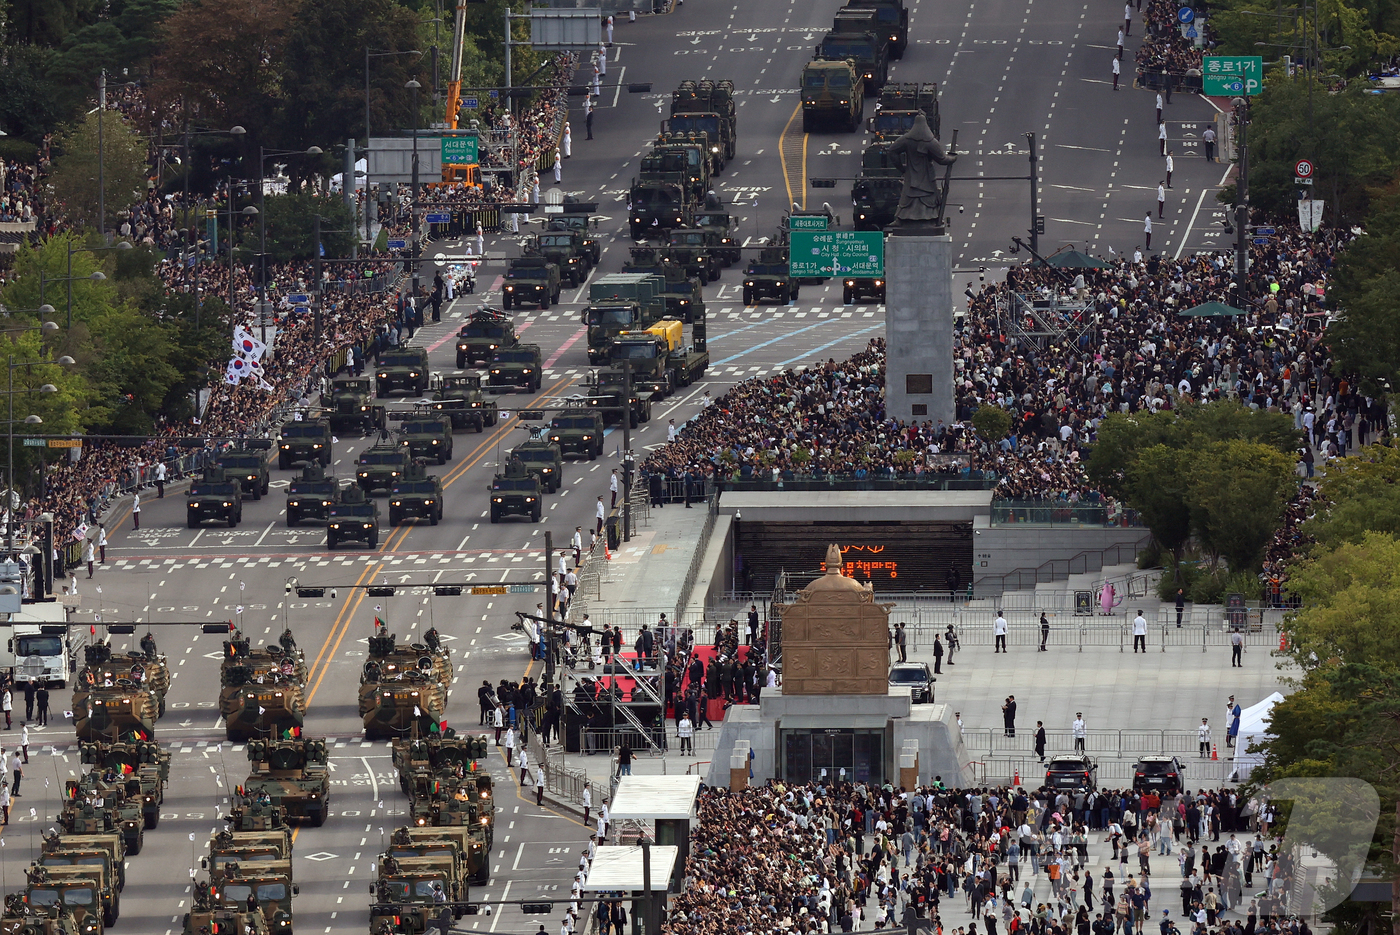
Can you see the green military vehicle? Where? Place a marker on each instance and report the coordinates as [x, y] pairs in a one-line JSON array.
[[541, 458], [609, 389], [20, 918], [486, 331], [658, 204], [405, 368], [405, 894], [112, 846], [215, 496], [578, 216], [257, 831], [458, 396], [416, 495], [352, 407], [578, 430], [517, 367], [75, 901], [271, 709], [875, 193], [403, 703], [855, 38], [143, 766], [566, 251], [248, 466], [269, 883], [695, 163], [304, 441], [682, 294], [354, 519], [711, 129], [425, 437], [97, 804], [620, 302], [471, 845], [64, 867], [893, 17], [458, 761], [899, 104], [116, 710], [515, 492], [245, 667], [717, 222], [706, 107], [381, 466], [311, 496], [292, 774], [204, 920], [767, 278], [833, 94], [698, 253], [530, 280], [862, 289]]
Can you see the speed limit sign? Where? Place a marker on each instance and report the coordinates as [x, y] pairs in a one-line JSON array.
[[1303, 169]]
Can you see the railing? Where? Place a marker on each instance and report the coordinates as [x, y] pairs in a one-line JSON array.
[[1061, 513], [697, 557], [992, 741], [790, 481], [923, 625], [1112, 774], [1058, 569]]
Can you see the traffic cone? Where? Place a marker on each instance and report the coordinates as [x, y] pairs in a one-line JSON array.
[[1283, 642], [1214, 753], [1016, 777], [607, 552]]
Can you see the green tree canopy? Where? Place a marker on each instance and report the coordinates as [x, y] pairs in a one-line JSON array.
[[75, 169], [1358, 495], [1238, 492], [992, 422], [291, 221]]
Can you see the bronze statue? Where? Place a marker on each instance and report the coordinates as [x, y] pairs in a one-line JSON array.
[[922, 201]]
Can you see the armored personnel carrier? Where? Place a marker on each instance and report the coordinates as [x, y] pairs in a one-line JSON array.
[[243, 666], [99, 804], [143, 766], [291, 774], [147, 669], [403, 686], [121, 711], [274, 709]]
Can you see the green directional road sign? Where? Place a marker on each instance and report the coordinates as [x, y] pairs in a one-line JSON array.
[[459, 150], [813, 254], [807, 222], [1233, 75]]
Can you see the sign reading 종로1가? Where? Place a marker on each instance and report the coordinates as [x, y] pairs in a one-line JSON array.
[[1232, 75], [817, 254]]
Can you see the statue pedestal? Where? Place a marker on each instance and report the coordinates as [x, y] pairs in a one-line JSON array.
[[919, 327]]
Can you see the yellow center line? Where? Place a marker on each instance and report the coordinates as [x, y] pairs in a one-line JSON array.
[[782, 156]]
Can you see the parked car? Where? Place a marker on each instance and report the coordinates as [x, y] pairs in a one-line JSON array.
[[1072, 772], [1162, 774], [916, 677]]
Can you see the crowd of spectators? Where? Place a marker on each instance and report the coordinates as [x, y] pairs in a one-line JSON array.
[[1165, 50]]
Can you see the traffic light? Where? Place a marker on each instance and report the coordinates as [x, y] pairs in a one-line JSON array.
[[823, 183], [1040, 224], [381, 592]]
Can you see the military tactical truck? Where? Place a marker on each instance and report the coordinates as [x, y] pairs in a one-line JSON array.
[[460, 399], [565, 250], [899, 104], [530, 280], [268, 882], [21, 918], [274, 709], [543, 459], [647, 352], [404, 896], [215, 496], [304, 441], [833, 94], [405, 368], [620, 302], [142, 763], [767, 278], [354, 519], [875, 193], [697, 253], [381, 466], [61, 868], [486, 331], [718, 223], [112, 844], [223, 920], [519, 367], [656, 205], [312, 495], [578, 216], [862, 289], [515, 492], [293, 775], [352, 407], [894, 22], [470, 846], [63, 905], [578, 431], [712, 128], [248, 466], [609, 388], [417, 495], [257, 832], [867, 48], [98, 804], [694, 164], [681, 294], [427, 438], [706, 97]]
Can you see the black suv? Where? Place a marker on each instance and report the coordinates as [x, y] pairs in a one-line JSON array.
[[427, 438], [304, 441], [484, 333], [381, 466], [517, 367], [418, 495], [248, 467], [1160, 774], [1072, 772], [355, 518], [916, 677], [515, 493], [312, 495], [579, 433], [215, 496], [403, 369]]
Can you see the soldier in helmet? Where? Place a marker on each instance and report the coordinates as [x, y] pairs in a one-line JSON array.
[[288, 642], [148, 645], [432, 639]]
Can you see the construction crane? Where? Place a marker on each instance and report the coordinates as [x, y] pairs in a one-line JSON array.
[[457, 172]]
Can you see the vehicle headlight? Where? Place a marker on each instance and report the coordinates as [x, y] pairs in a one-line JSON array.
[[284, 445], [554, 438], [497, 499], [587, 437], [493, 347], [317, 445], [496, 371], [510, 288], [364, 409], [529, 499], [364, 473], [293, 503], [325, 503], [396, 503], [227, 503], [435, 441], [383, 376], [429, 502], [526, 370], [335, 525]]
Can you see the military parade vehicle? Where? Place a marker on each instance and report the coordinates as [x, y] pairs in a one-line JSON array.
[[458, 397], [311, 496], [620, 302], [861, 289], [579, 431], [352, 407], [304, 441], [426, 437], [417, 495], [515, 492], [578, 216], [899, 104], [608, 388], [706, 107], [519, 367], [214, 496], [682, 294], [718, 222], [485, 332], [541, 458], [767, 278], [21, 918], [403, 368], [856, 36], [59, 869], [656, 205], [530, 280], [876, 191], [380, 467], [205, 920], [403, 687], [894, 22], [566, 251], [109, 705], [248, 466], [142, 765], [269, 883], [833, 95], [354, 519], [291, 774], [97, 804], [276, 708], [697, 253], [112, 844], [466, 844], [244, 667], [62, 905]]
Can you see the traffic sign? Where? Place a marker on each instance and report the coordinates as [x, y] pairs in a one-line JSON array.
[[1299, 180], [813, 254], [1185, 15], [1303, 168], [397, 244], [35, 442], [470, 103], [437, 217], [1264, 231], [459, 150], [298, 298], [493, 94], [807, 222], [1260, 240], [1191, 32], [1227, 75]]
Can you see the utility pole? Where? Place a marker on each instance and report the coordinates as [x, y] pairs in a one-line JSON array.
[[1241, 106], [547, 637], [417, 228], [101, 178], [347, 194], [1035, 193], [626, 450], [507, 94], [648, 903], [316, 263]]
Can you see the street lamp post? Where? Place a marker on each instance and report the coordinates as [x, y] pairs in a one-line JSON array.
[[371, 53], [27, 420], [248, 211], [185, 196], [96, 275], [413, 85], [262, 227]]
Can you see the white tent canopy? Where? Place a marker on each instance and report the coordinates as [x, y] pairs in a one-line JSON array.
[[1254, 723]]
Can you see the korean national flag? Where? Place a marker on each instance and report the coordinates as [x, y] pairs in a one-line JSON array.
[[246, 345]]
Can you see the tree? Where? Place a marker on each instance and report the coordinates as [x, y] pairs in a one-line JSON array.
[[1357, 495], [76, 172], [1238, 492], [31, 105], [992, 423], [48, 22], [291, 220], [1158, 484]]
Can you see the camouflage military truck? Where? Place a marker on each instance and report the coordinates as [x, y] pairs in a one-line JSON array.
[[458, 396], [381, 466], [446, 766], [530, 280], [143, 765], [64, 905], [311, 496], [566, 251], [543, 459], [352, 407], [682, 294], [248, 467], [112, 845], [98, 804], [486, 331], [418, 496], [515, 492], [862, 289], [77, 851], [404, 368], [403, 899], [712, 128], [609, 388], [426, 437], [657, 205], [833, 95], [853, 39], [718, 223], [517, 367], [697, 253], [708, 97], [646, 353], [223, 921], [578, 431], [269, 882], [257, 833], [578, 216], [466, 845], [899, 104], [767, 278], [354, 519], [214, 496], [293, 775], [60, 868], [304, 441]]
